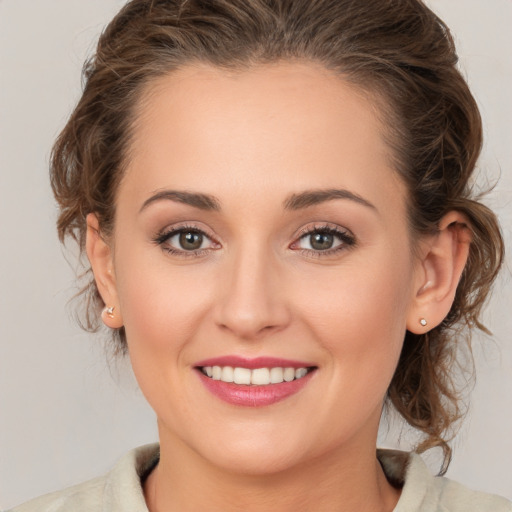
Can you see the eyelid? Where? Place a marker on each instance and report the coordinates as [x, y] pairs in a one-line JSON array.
[[162, 236], [346, 237]]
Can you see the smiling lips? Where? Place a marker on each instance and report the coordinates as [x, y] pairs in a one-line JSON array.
[[253, 382]]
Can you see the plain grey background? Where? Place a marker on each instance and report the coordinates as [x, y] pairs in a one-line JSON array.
[[66, 413]]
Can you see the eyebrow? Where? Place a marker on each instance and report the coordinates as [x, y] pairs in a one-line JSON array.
[[197, 200], [314, 197], [305, 199]]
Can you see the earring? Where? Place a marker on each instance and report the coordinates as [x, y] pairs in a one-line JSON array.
[[109, 311], [111, 318], [423, 322]]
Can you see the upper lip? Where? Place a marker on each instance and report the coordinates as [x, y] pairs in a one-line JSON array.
[[257, 362]]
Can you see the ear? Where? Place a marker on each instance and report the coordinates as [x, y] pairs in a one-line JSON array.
[[439, 270], [100, 257]]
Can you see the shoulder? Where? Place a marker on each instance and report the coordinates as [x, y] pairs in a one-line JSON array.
[[452, 496], [423, 492], [85, 496], [118, 490]]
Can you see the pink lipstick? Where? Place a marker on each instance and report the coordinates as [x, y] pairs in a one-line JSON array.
[[253, 382]]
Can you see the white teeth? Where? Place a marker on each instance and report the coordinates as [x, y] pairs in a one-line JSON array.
[[216, 372], [227, 374], [242, 376], [289, 374], [276, 375], [300, 372], [260, 376], [257, 377]]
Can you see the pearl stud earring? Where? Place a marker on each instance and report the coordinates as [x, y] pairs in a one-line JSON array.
[[423, 322]]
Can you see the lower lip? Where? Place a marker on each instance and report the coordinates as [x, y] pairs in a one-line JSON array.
[[253, 396]]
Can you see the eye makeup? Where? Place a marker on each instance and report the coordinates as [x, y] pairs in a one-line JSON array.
[[186, 241], [318, 240]]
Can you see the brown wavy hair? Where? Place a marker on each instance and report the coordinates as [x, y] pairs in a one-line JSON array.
[[397, 51]]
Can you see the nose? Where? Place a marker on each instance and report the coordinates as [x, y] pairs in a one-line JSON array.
[[252, 295]]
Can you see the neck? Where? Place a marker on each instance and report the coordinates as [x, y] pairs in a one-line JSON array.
[[185, 482]]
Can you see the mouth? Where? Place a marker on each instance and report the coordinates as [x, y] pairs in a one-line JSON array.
[[254, 382], [256, 376]]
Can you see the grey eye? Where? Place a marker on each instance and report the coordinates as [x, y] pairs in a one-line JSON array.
[[321, 241]]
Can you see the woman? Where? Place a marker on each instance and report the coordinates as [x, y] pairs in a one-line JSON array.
[[274, 200]]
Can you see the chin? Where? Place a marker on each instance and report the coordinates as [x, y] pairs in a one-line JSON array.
[[257, 461]]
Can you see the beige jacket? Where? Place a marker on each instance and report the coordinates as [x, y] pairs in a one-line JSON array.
[[120, 490]]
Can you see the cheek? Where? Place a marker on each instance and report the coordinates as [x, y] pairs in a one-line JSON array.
[[359, 316], [160, 315], [161, 303], [162, 308]]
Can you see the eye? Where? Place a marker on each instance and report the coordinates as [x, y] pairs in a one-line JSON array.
[[324, 239], [188, 240], [319, 241], [185, 241]]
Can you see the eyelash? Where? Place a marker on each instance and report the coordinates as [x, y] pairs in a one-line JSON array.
[[162, 238], [344, 236]]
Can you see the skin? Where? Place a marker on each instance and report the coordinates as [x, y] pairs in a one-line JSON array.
[[252, 140]]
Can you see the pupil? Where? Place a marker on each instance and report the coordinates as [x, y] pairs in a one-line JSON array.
[[322, 241], [191, 241]]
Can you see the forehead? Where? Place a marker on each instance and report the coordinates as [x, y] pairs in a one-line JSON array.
[[271, 96], [291, 125]]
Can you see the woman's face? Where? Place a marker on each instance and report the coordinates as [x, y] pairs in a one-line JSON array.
[[260, 225]]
